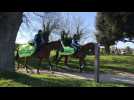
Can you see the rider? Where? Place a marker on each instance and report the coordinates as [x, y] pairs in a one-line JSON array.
[[75, 43], [38, 40]]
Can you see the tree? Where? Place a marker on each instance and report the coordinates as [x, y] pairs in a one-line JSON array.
[[105, 33], [122, 22], [72, 25], [110, 28], [50, 21], [67, 23], [79, 26], [9, 26], [119, 25]]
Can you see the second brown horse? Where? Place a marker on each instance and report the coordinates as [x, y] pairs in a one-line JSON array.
[[81, 54]]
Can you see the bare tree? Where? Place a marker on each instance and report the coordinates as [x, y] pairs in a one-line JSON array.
[[73, 24], [79, 25], [50, 20], [67, 23]]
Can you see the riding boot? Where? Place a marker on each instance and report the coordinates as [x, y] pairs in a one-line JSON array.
[[61, 49], [37, 49]]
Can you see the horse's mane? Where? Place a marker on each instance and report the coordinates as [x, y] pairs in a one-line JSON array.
[[49, 44], [53, 42], [87, 44]]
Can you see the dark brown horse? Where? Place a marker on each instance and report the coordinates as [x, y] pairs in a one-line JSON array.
[[81, 54], [43, 53]]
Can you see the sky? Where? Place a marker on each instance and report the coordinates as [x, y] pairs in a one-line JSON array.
[[26, 33]]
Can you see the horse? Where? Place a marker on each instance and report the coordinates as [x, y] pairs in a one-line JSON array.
[[43, 53], [81, 54]]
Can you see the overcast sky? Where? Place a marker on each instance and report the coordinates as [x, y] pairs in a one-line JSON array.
[[26, 33]]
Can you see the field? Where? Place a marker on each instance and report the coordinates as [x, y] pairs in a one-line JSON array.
[[109, 64]]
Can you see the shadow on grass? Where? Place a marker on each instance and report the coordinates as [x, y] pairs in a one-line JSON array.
[[40, 81], [50, 81]]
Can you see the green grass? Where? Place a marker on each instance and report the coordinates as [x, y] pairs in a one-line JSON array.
[[120, 63], [48, 80], [108, 63]]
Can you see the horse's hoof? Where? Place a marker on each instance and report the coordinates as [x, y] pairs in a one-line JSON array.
[[27, 71], [38, 72], [32, 72], [52, 72]]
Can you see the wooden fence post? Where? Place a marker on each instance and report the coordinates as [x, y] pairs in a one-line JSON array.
[[97, 62]]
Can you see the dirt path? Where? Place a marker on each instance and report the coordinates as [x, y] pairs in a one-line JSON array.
[[121, 77]]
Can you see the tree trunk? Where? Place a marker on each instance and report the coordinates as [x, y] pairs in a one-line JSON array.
[[9, 26], [107, 49]]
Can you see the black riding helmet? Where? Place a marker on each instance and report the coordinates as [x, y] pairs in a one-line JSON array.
[[75, 37], [40, 31]]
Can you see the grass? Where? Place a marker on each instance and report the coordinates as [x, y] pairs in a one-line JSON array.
[[120, 63], [48, 80], [108, 63]]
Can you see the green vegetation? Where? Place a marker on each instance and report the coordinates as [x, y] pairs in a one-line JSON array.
[[48, 80], [113, 27], [108, 63], [119, 63]]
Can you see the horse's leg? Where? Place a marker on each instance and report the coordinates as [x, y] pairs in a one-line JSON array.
[[17, 68], [50, 68], [17, 64], [66, 60], [38, 70], [28, 68], [58, 60], [57, 54], [25, 65], [81, 62]]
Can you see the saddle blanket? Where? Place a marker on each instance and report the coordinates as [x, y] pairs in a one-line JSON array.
[[26, 50], [67, 51]]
